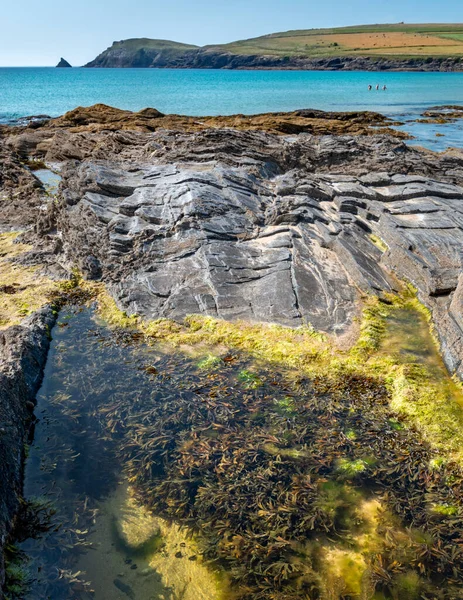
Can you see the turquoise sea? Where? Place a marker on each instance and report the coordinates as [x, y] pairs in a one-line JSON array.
[[46, 90]]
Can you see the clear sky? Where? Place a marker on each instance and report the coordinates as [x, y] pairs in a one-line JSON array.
[[39, 33]]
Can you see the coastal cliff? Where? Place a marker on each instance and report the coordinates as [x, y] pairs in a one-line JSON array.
[[142, 53], [207, 59], [398, 47]]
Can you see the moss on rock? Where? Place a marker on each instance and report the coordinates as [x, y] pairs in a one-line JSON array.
[[23, 290]]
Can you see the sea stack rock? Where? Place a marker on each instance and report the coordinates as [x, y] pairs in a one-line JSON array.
[[63, 63]]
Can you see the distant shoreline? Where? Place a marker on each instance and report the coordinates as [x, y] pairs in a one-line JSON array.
[[234, 62], [397, 47]]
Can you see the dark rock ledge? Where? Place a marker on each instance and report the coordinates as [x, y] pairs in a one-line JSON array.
[[251, 225], [23, 352]]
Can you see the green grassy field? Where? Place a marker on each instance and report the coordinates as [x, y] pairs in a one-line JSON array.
[[402, 41], [364, 40]]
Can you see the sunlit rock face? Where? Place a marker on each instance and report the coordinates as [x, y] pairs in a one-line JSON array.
[[261, 227]]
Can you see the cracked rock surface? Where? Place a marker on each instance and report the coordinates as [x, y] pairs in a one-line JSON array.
[[256, 226]]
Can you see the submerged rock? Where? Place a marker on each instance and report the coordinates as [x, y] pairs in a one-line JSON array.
[[137, 528], [155, 544]]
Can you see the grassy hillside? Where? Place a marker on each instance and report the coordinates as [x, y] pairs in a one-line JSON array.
[[364, 40], [136, 44], [141, 52], [426, 42]]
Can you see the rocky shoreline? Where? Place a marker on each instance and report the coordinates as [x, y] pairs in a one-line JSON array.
[[284, 218], [184, 216], [209, 59], [240, 223]]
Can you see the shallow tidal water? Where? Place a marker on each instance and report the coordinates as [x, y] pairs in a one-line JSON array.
[[105, 398], [50, 179], [44, 90], [74, 471], [408, 336], [410, 340]]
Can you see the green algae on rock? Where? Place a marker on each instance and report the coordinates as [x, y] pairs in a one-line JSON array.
[[23, 290], [367, 368], [419, 391]]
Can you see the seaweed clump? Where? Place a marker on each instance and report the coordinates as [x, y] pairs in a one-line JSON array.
[[281, 481]]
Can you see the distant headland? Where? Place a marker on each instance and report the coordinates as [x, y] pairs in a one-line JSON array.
[[397, 47]]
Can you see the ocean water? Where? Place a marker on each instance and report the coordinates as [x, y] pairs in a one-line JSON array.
[[45, 90]]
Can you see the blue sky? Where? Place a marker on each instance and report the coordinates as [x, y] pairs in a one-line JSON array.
[[38, 33]]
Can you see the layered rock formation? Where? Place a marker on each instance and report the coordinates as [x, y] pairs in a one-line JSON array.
[[258, 242], [181, 216], [258, 226]]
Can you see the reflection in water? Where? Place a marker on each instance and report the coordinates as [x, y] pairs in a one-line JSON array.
[[50, 179]]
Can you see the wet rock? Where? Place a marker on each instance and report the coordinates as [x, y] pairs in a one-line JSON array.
[[136, 528], [284, 238], [23, 351]]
